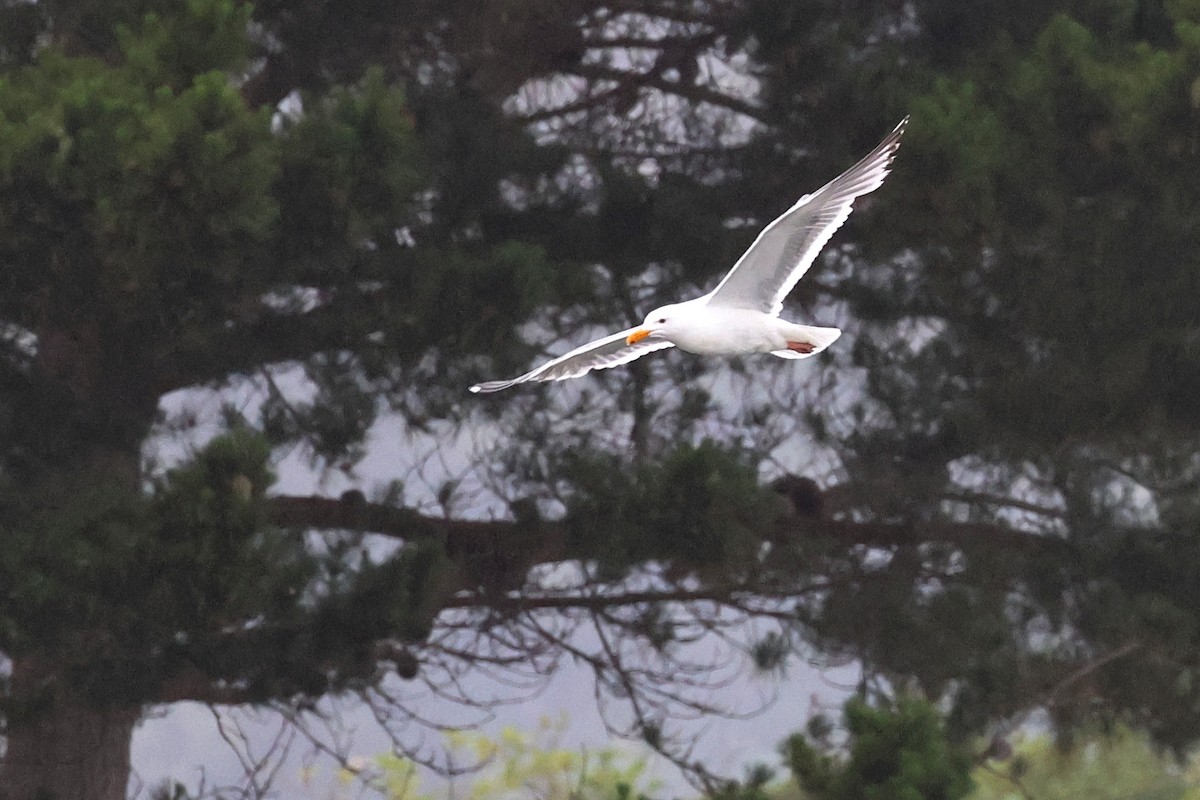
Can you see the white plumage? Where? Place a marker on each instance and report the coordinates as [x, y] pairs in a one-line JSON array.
[[741, 315]]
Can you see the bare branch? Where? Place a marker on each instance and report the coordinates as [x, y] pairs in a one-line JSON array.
[[983, 498], [689, 91], [1085, 670]]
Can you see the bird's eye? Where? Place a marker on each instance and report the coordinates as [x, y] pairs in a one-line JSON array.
[[661, 321]]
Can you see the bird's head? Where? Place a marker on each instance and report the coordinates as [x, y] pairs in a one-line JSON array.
[[659, 323]]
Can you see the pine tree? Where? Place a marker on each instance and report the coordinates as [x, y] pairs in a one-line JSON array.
[[344, 210]]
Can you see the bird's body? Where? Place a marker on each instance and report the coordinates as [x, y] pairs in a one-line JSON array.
[[740, 316], [724, 331], [706, 330]]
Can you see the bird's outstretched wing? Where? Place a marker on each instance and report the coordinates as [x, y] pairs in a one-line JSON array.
[[611, 351], [786, 248]]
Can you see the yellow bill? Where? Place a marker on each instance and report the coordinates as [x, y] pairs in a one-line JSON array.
[[637, 336]]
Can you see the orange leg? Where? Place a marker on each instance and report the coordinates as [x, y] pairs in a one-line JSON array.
[[801, 347]]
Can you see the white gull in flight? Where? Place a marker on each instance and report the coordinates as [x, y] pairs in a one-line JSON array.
[[742, 314]]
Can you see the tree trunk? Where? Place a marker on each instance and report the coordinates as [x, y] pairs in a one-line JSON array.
[[64, 750]]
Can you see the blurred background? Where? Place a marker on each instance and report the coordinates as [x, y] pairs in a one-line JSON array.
[[253, 525]]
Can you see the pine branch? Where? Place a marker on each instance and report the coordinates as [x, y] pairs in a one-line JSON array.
[[689, 91], [511, 548], [244, 347], [718, 593], [551, 537], [327, 513], [192, 684]]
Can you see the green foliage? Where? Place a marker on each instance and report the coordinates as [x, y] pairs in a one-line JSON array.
[[135, 194], [1061, 157], [702, 504], [20, 24], [1118, 765], [133, 573], [217, 557], [1057, 238], [534, 764], [171, 49], [898, 751], [349, 169], [757, 785], [218, 488], [52, 564], [516, 765], [894, 753]]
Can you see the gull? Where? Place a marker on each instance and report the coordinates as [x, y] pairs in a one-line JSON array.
[[741, 315]]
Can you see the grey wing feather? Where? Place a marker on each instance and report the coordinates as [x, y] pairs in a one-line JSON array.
[[611, 351], [786, 248]]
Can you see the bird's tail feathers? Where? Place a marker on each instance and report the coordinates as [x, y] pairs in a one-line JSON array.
[[818, 338]]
